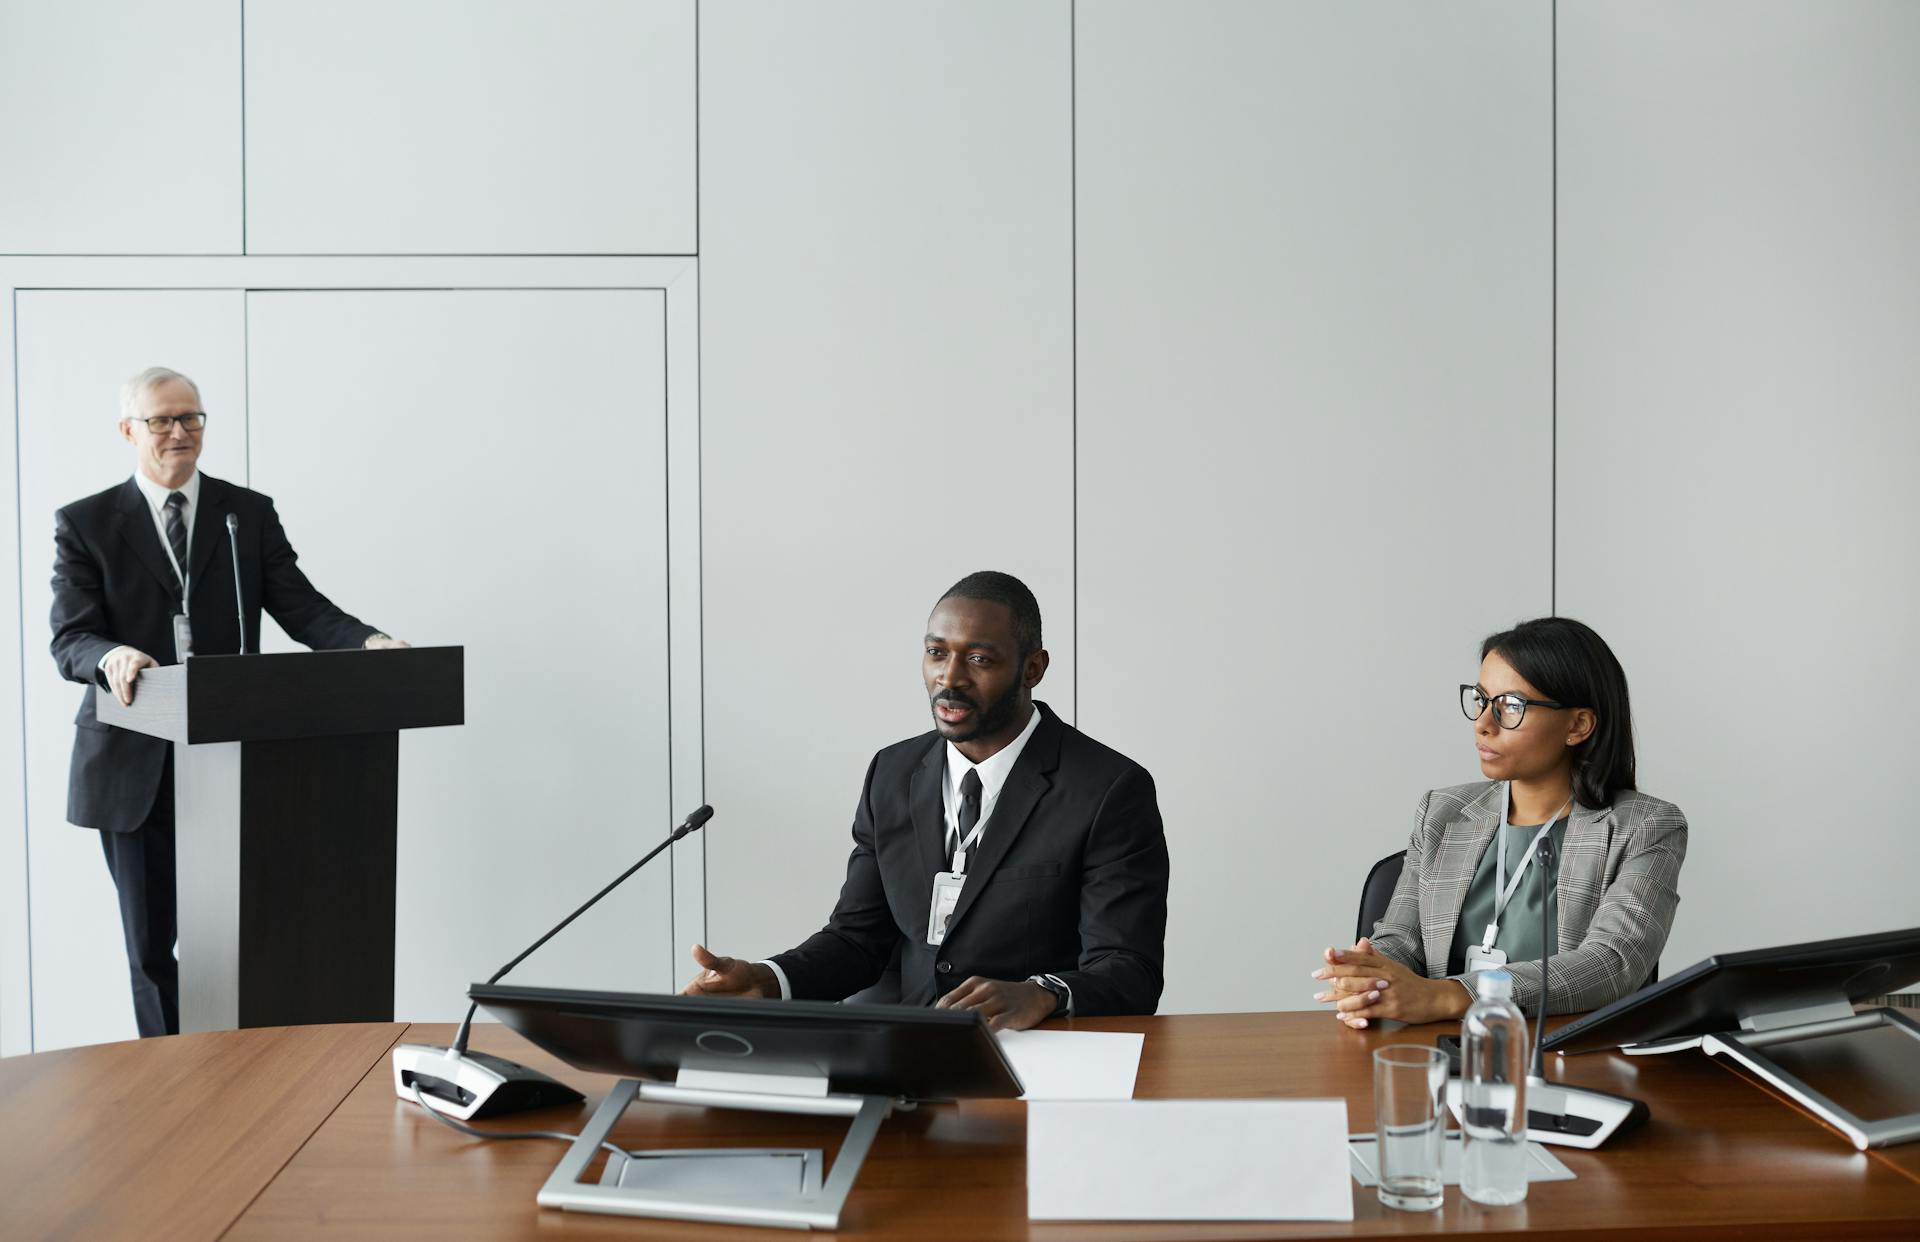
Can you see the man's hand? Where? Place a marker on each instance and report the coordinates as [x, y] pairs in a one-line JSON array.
[[1007, 1006], [1363, 985], [121, 666], [729, 976], [381, 642]]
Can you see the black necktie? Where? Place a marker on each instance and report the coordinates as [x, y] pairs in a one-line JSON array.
[[969, 810], [177, 530]]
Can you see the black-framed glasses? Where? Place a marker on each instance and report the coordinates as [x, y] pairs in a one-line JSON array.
[[162, 424], [1508, 709]]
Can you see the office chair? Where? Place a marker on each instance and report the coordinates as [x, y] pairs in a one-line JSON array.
[[1377, 891]]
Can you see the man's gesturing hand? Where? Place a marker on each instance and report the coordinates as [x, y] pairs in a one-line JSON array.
[[121, 666], [1007, 1006], [729, 976]]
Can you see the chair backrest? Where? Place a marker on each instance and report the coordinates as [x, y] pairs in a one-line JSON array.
[[1377, 891]]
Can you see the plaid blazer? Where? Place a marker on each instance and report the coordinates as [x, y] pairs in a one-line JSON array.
[[1618, 876]]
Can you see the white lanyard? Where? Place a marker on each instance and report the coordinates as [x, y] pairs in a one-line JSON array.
[[960, 855], [1503, 887], [959, 864]]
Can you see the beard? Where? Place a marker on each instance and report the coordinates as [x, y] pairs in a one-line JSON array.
[[987, 720]]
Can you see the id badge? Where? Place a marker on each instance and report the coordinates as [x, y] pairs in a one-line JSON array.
[[946, 895], [1480, 957]]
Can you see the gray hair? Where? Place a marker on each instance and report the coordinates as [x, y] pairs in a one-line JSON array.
[[145, 382]]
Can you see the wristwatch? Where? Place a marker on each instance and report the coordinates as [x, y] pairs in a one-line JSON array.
[[1060, 994]]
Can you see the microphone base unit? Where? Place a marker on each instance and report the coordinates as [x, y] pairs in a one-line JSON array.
[[1562, 1116], [474, 1084]]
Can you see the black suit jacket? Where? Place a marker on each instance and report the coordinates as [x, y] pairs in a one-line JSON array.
[[114, 585], [1071, 880]]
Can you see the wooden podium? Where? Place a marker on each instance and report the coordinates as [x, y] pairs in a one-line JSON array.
[[286, 778]]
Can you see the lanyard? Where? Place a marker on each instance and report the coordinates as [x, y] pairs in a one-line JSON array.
[[959, 864], [960, 855], [1502, 886]]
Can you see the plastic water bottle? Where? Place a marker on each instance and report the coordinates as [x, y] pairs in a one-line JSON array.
[[1493, 1094]]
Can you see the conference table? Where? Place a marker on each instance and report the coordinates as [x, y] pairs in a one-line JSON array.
[[295, 1132]]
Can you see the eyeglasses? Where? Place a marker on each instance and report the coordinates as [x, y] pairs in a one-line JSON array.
[[161, 424], [1508, 709]]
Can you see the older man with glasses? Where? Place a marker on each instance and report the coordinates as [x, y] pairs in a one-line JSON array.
[[143, 575]]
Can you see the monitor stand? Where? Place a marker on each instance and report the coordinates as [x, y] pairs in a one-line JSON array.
[[1869, 1058], [785, 1187]]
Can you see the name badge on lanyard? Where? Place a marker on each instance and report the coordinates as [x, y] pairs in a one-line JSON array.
[[946, 890], [1484, 956]]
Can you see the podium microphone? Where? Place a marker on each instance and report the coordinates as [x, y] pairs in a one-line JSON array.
[[239, 608], [474, 1084], [1567, 1116]]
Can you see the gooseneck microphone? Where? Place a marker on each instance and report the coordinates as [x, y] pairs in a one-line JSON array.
[[1549, 892], [239, 607], [1568, 1116], [479, 1085]]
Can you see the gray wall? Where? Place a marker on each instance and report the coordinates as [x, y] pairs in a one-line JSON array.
[[1296, 414], [1738, 426], [1285, 348], [888, 397]]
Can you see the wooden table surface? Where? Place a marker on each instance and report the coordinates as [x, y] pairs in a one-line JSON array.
[[296, 1133]]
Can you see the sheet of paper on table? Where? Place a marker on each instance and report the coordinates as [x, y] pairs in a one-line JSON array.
[[1364, 1150], [1188, 1160], [1074, 1065]]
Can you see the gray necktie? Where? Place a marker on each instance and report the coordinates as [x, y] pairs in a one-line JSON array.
[[177, 530]]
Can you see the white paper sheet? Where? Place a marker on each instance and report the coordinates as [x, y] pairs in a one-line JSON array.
[[1363, 1151], [1188, 1160], [1074, 1065]]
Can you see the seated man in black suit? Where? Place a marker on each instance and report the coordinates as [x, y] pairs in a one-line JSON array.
[[1013, 864], [137, 568]]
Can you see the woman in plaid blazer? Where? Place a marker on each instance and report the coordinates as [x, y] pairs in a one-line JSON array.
[[1554, 732]]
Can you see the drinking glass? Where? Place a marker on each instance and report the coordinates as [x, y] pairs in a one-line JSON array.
[[1409, 1085]]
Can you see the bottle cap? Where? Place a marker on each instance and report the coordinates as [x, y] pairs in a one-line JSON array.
[[1493, 985]]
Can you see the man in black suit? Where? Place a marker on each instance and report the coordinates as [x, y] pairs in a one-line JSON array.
[[1007, 861], [133, 565]]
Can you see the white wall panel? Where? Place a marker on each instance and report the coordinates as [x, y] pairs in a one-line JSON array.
[[445, 127], [886, 264], [1739, 296], [16, 963], [487, 469], [75, 349], [119, 127], [1314, 380]]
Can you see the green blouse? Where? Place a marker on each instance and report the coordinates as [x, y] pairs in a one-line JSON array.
[[1520, 922]]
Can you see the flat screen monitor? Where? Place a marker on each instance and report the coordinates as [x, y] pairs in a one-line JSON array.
[[890, 1050], [1715, 995]]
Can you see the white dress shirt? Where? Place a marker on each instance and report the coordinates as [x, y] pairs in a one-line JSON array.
[[993, 777]]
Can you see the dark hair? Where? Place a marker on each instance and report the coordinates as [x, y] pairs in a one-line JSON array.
[[999, 588], [1569, 663]]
